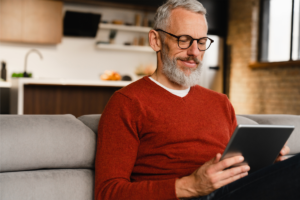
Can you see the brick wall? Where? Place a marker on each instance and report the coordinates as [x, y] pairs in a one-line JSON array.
[[273, 90]]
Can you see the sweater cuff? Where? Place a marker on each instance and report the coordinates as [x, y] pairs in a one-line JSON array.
[[167, 189]]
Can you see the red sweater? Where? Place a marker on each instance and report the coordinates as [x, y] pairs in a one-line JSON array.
[[148, 137]]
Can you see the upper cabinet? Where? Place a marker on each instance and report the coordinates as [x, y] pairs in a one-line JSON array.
[[217, 10], [31, 21], [42, 21], [11, 20]]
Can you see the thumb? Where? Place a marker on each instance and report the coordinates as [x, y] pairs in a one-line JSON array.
[[217, 158]]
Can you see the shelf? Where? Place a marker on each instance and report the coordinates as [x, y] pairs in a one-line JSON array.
[[125, 28], [124, 48], [5, 84]]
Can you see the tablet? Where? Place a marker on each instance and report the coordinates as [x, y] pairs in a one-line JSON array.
[[258, 144]]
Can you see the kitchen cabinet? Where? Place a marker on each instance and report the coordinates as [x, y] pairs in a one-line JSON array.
[[4, 97], [145, 5], [59, 96], [31, 21], [10, 20], [66, 99], [217, 10]]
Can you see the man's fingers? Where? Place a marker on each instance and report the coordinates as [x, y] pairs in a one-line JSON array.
[[217, 158], [231, 172], [280, 158], [285, 150], [228, 162], [230, 180]]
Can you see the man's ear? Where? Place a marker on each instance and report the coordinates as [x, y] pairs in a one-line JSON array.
[[154, 40]]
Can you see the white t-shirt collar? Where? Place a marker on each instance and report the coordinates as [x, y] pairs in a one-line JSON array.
[[180, 93]]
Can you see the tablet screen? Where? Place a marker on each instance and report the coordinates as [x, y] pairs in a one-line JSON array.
[[258, 144]]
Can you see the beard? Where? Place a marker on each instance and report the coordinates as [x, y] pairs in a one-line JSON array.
[[177, 75]]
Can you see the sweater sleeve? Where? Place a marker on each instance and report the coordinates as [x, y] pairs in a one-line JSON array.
[[232, 115], [117, 147]]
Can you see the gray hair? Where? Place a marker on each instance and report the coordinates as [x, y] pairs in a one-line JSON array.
[[162, 16]]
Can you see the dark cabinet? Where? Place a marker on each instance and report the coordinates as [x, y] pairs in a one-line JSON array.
[[62, 99], [217, 10]]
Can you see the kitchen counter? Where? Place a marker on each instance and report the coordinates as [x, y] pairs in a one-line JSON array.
[[27, 81], [4, 84], [18, 87]]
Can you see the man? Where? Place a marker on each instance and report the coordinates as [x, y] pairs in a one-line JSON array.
[[161, 136]]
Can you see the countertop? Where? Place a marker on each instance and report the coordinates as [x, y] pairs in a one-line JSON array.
[[5, 84], [32, 81]]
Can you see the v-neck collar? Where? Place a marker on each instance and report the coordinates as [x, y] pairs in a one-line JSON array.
[[185, 98], [180, 93]]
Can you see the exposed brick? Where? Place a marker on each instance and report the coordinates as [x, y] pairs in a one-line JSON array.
[[257, 91]]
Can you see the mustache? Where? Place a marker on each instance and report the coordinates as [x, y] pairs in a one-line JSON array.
[[196, 60]]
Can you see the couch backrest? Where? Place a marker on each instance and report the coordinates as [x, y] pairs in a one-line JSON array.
[[245, 120], [91, 121], [32, 142], [293, 142]]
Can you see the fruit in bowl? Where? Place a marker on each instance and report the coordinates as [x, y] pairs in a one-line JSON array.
[[145, 70], [110, 76]]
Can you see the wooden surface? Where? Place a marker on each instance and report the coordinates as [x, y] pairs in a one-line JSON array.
[[31, 21], [11, 20], [75, 100], [295, 63], [42, 22]]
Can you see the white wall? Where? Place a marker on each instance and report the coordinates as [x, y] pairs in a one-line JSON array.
[[213, 57], [74, 57]]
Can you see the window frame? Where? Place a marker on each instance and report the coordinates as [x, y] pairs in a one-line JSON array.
[[263, 41]]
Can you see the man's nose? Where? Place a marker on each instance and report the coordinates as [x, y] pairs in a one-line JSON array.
[[193, 49]]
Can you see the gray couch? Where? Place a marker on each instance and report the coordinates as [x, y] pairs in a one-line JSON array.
[[52, 156]]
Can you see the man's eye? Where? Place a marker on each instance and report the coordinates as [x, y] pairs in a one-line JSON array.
[[202, 41]]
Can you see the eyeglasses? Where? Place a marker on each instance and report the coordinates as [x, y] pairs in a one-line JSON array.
[[185, 41]]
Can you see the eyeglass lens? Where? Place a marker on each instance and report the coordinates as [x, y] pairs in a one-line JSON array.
[[184, 42]]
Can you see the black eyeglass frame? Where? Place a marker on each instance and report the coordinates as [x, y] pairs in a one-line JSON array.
[[211, 40]]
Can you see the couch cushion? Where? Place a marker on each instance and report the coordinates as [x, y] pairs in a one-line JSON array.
[[31, 142], [244, 120], [64, 184], [91, 121], [294, 140]]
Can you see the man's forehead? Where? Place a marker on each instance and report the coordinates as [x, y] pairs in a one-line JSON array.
[[183, 21]]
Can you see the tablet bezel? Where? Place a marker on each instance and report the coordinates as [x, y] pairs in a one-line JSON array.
[[268, 147]]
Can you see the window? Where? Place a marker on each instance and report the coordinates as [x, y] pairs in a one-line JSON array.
[[280, 30]]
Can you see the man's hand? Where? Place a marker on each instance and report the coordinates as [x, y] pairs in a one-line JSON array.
[[211, 176], [284, 151]]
